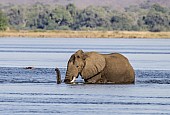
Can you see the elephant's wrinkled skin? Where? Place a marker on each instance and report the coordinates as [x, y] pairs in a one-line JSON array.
[[99, 68]]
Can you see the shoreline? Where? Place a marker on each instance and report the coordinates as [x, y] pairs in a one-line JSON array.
[[84, 34]]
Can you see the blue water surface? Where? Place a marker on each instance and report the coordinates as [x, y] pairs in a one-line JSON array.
[[35, 91]]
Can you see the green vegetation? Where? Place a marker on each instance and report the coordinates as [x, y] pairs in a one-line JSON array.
[[3, 21], [144, 17]]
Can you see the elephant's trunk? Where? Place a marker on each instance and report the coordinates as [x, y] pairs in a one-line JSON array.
[[58, 76]]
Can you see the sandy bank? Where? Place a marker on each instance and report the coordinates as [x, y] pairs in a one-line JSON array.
[[85, 34]]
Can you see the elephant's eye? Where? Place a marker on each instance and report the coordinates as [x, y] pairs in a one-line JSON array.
[[78, 56]]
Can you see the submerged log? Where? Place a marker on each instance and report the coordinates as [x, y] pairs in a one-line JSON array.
[[29, 68]]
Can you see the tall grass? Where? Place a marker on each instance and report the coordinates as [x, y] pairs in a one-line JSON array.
[[84, 34]]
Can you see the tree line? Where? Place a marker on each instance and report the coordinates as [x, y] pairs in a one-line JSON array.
[[145, 17]]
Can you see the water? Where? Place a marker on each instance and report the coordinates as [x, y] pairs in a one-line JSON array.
[[36, 92]]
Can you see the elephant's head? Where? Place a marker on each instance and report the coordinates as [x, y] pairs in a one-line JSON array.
[[85, 64]]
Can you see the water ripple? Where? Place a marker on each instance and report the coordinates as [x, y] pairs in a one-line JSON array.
[[48, 75]]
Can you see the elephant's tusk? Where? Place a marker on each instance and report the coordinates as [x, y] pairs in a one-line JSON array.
[[74, 78]]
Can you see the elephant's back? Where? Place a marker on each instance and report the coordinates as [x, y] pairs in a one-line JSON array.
[[118, 68], [116, 55], [116, 62]]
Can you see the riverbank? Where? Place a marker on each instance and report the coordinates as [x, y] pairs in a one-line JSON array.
[[84, 34]]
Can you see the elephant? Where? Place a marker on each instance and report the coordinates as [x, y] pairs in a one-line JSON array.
[[96, 68]]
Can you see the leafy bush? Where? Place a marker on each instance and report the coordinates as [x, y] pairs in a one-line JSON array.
[[145, 17], [3, 21]]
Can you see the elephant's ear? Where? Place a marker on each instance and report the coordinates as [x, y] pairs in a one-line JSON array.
[[94, 63], [72, 58]]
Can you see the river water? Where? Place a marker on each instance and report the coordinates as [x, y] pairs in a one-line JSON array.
[[35, 91]]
